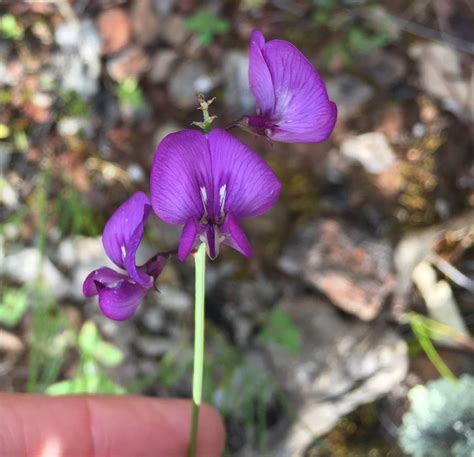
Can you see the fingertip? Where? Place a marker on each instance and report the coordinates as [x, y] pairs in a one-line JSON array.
[[211, 432]]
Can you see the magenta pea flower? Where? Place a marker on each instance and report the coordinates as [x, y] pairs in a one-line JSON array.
[[119, 293], [208, 183], [292, 101]]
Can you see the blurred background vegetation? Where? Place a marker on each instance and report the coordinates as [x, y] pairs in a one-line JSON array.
[[349, 331]]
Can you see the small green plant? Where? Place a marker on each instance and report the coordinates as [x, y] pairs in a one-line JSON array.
[[10, 28], [351, 36], [130, 94], [13, 306], [52, 336], [74, 215], [74, 104], [4, 131], [207, 25], [440, 421], [425, 330], [281, 330], [91, 378]]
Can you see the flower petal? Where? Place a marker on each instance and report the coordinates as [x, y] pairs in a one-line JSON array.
[[154, 266], [302, 109], [188, 238], [105, 276], [260, 79], [235, 236], [124, 231], [243, 183], [181, 167], [120, 302]]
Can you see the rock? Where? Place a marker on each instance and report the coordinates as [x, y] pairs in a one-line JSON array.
[[8, 194], [115, 28], [145, 22], [187, 80], [164, 7], [27, 265], [349, 94], [342, 364], [441, 75], [81, 255], [136, 173], [174, 31], [346, 263], [439, 299], [132, 62], [11, 348], [238, 97], [78, 62], [387, 69], [152, 318], [71, 126], [153, 347], [161, 65], [172, 299], [414, 247], [371, 150]]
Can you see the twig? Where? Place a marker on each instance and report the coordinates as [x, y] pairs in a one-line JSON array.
[[452, 273]]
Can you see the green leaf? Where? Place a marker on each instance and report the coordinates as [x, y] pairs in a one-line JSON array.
[[108, 354], [130, 94], [88, 338], [206, 24], [4, 131], [10, 27], [281, 330], [13, 306], [85, 384]]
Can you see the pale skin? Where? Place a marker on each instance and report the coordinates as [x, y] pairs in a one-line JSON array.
[[104, 426]]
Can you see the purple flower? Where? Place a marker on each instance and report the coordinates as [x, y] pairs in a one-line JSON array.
[[292, 101], [120, 294], [208, 182]]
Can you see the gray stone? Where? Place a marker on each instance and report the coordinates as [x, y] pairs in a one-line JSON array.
[[27, 265], [161, 65], [342, 364], [441, 75], [172, 299], [136, 173], [348, 264], [152, 318], [190, 78], [153, 347], [371, 150], [349, 94], [8, 194], [164, 7], [78, 61], [70, 126], [81, 255], [174, 30], [238, 97], [145, 22]]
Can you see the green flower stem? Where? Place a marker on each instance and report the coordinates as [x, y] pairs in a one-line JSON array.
[[200, 288]]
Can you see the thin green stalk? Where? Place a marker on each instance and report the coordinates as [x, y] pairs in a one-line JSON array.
[[423, 336], [198, 368]]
